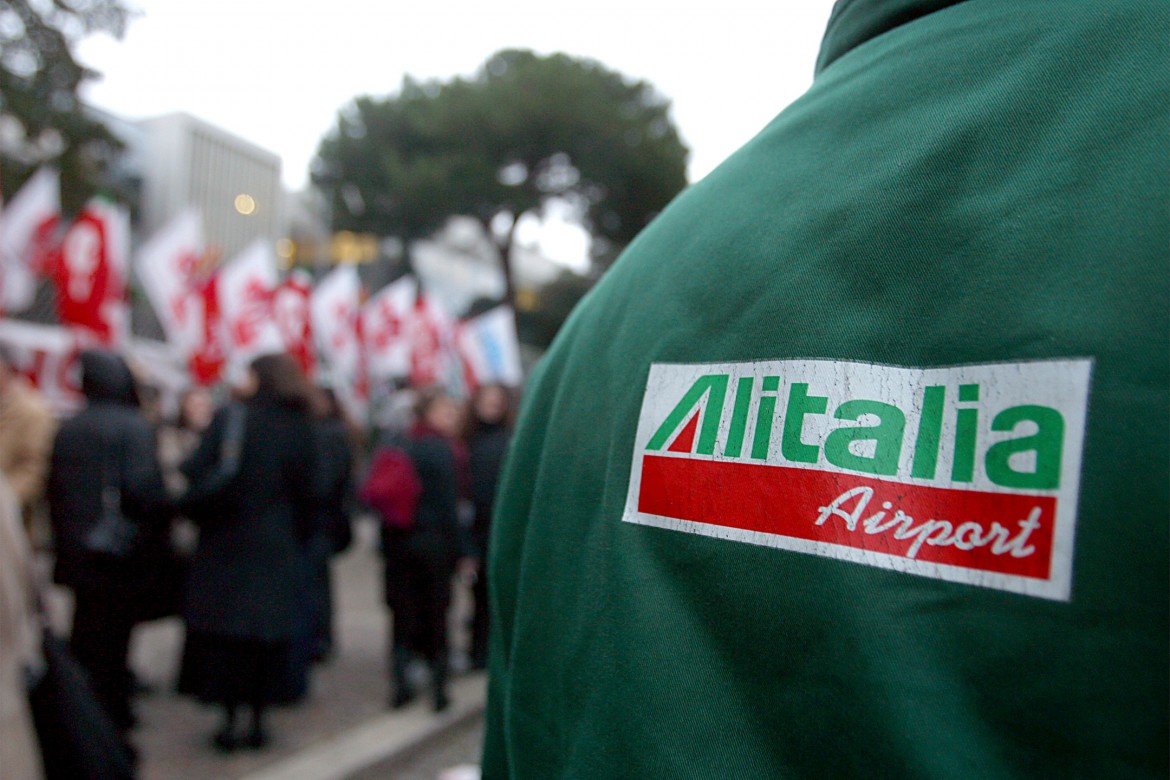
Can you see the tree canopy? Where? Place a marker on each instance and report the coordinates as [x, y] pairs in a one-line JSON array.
[[526, 128], [41, 117]]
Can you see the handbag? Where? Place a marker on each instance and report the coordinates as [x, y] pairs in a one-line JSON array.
[[77, 737], [113, 535]]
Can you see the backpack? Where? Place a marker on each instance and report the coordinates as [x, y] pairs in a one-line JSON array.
[[392, 488]]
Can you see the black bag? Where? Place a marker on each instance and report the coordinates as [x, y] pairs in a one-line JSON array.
[[204, 499], [78, 738], [113, 535]]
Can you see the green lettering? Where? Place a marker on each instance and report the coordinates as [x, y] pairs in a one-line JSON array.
[[716, 385], [966, 431], [929, 432], [765, 415], [743, 402], [800, 403], [886, 435], [1047, 442]]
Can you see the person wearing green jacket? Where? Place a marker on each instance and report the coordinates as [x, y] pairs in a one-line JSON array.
[[855, 463]]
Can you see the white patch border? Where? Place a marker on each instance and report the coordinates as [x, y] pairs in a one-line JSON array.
[[1058, 586]]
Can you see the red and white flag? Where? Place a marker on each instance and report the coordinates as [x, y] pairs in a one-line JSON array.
[[335, 305], [432, 357], [48, 357], [167, 265], [27, 228], [386, 320], [209, 358], [246, 287], [290, 309], [489, 348], [90, 268]]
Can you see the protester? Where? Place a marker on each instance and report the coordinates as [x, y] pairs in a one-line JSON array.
[[333, 532], [26, 434], [815, 483], [489, 432], [104, 459], [20, 756], [241, 599], [328, 534], [420, 562], [178, 440]]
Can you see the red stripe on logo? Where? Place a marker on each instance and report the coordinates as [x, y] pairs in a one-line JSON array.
[[992, 532]]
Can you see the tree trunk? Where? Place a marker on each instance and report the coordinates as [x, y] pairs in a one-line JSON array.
[[504, 250]]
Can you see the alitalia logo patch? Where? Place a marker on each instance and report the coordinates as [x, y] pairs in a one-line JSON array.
[[968, 473]]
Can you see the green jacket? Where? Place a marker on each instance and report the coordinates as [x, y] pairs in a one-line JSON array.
[[855, 463]]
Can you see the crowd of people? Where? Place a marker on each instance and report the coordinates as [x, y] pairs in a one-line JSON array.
[[229, 516]]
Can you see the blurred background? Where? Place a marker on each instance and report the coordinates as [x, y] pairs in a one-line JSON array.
[[500, 152]]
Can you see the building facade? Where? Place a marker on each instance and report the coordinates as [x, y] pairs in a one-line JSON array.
[[235, 184]]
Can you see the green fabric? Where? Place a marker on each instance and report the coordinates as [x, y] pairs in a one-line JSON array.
[[986, 183]]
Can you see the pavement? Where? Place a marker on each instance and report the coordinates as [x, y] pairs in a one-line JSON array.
[[344, 729]]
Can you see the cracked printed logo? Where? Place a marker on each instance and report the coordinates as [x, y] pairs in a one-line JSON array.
[[966, 473]]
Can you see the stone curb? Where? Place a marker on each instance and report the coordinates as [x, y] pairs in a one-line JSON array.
[[382, 740]]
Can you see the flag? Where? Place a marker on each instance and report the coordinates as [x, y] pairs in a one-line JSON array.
[[48, 357], [489, 349], [432, 356], [89, 269], [334, 307], [207, 361], [386, 320], [27, 228], [245, 289], [290, 310], [167, 265]]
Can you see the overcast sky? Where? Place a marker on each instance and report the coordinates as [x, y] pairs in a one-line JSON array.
[[277, 72]]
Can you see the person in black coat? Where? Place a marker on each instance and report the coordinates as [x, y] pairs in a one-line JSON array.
[[107, 446], [330, 534], [421, 562], [242, 590], [489, 432]]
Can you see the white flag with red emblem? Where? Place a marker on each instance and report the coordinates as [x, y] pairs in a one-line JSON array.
[[334, 306], [209, 358], [489, 349], [90, 268], [432, 358], [386, 320], [245, 289], [337, 329], [48, 357], [290, 309], [167, 266], [27, 227]]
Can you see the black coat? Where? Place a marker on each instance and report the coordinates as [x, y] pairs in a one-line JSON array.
[[434, 542], [335, 486], [486, 452], [243, 577], [108, 442]]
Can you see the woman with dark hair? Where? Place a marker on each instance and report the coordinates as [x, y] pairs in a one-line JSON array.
[[420, 562], [489, 431], [241, 598]]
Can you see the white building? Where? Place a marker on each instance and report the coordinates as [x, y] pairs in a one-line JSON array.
[[188, 162]]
